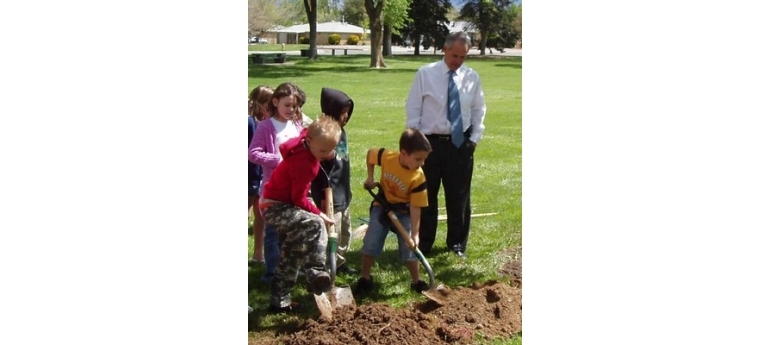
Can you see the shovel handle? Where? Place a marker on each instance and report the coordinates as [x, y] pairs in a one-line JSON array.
[[331, 228], [393, 217]]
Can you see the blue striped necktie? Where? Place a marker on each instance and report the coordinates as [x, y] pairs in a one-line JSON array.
[[454, 116]]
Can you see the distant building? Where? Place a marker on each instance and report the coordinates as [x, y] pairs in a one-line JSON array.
[[292, 34]]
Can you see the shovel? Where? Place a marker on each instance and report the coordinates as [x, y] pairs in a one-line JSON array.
[[435, 293], [337, 297]]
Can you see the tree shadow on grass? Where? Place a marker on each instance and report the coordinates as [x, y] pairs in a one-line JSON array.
[[513, 62], [301, 67], [509, 65]]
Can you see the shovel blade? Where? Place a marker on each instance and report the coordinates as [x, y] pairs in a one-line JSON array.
[[324, 305], [438, 294], [342, 296], [338, 297]]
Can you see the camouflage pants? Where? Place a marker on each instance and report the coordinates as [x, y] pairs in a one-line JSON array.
[[302, 237]]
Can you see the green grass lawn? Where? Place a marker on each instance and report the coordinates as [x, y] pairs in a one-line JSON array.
[[377, 121]]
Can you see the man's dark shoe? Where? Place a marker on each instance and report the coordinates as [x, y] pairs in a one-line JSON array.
[[291, 308], [344, 269], [461, 254], [363, 286], [321, 283], [420, 286]]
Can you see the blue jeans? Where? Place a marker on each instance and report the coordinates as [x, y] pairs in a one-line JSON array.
[[272, 252], [374, 240]]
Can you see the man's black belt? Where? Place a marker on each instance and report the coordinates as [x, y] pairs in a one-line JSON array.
[[446, 137]]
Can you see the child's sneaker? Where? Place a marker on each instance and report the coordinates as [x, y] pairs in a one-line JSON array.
[[364, 286], [420, 286], [293, 307]]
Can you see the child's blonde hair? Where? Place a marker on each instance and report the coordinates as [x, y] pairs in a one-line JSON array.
[[260, 94], [324, 127]]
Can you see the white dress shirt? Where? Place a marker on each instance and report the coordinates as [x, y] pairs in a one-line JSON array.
[[426, 106]]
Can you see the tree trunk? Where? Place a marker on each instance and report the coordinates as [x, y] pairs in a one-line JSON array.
[[375, 25], [377, 60], [417, 43], [483, 41], [310, 9], [386, 42]]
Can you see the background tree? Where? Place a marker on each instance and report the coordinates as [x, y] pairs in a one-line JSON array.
[[488, 16], [374, 11], [395, 17], [428, 20], [517, 23], [311, 9], [354, 12], [506, 34], [266, 14]]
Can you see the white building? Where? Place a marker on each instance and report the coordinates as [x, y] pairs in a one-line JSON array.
[[292, 34]]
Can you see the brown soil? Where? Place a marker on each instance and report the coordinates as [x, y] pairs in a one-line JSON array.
[[481, 311]]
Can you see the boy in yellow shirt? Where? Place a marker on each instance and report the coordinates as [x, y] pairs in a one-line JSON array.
[[403, 184]]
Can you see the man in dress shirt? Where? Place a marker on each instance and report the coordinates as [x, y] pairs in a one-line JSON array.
[[447, 95]]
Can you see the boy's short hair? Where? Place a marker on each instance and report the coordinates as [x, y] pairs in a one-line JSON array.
[[326, 127], [413, 140]]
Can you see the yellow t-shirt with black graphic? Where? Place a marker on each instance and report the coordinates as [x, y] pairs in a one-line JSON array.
[[399, 185]]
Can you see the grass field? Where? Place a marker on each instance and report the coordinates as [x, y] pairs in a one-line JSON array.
[[377, 121]]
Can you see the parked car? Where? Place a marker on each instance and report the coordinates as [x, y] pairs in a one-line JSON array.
[[257, 40]]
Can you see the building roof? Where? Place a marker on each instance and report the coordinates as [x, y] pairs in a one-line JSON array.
[[328, 27]]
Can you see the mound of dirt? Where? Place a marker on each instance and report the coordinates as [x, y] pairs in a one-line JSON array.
[[481, 311], [513, 268], [488, 310]]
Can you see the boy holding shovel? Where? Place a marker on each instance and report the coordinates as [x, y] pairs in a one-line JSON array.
[[403, 184]]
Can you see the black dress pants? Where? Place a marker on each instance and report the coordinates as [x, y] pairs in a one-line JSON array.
[[451, 167]]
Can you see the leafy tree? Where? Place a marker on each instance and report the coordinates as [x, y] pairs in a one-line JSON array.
[[395, 17], [506, 34], [266, 14], [517, 23], [488, 16], [428, 22], [354, 12]]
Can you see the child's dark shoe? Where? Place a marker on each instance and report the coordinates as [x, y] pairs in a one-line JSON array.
[[364, 286], [420, 286], [344, 269]]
